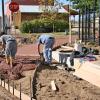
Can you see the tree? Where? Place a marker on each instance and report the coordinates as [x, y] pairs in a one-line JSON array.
[[50, 8], [46, 5], [79, 4]]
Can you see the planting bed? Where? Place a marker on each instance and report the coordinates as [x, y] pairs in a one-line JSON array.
[[68, 86], [22, 72], [5, 95], [21, 64]]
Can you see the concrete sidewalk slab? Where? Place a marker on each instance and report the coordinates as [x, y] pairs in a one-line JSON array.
[[90, 72]]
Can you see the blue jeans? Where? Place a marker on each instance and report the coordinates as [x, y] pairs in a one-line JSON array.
[[47, 52], [11, 48]]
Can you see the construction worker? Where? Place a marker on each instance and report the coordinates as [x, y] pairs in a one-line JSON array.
[[9, 45], [48, 42]]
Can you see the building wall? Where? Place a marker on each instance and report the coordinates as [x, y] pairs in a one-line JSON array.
[[29, 16], [16, 19]]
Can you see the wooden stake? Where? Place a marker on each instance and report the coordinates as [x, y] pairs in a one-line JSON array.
[[1, 79], [53, 86], [8, 86], [13, 88], [20, 91], [30, 88], [4, 82]]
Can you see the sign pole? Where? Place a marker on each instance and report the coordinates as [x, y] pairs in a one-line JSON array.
[[3, 16], [70, 35], [99, 22]]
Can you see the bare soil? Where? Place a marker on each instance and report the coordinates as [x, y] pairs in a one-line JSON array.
[[21, 64], [68, 86], [22, 72], [5, 95]]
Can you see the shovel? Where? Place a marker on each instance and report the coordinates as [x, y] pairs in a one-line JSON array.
[[2, 53], [42, 58]]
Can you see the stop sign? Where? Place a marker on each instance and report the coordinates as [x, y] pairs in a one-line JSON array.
[[14, 6]]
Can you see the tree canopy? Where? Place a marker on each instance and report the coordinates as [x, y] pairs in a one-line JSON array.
[[80, 4]]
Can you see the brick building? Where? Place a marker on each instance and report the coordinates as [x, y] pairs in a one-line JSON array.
[[28, 10]]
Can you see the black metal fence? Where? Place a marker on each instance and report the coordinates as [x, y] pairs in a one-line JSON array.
[[89, 23]]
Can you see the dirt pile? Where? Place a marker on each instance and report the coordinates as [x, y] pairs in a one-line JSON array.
[[21, 64]]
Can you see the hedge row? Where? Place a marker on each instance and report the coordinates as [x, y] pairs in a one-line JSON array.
[[44, 25]]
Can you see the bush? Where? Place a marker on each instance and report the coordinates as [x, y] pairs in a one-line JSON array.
[[43, 25], [26, 27], [60, 25]]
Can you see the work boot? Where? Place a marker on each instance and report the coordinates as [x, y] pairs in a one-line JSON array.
[[46, 64]]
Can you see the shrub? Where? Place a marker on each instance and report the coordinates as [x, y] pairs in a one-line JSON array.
[[60, 25], [44, 25], [26, 27]]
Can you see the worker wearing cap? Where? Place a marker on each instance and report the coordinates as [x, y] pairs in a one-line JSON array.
[[9, 45], [48, 42]]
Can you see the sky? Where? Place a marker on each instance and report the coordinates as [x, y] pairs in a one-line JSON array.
[[63, 1], [1, 6]]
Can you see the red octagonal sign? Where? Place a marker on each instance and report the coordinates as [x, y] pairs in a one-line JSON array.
[[14, 7]]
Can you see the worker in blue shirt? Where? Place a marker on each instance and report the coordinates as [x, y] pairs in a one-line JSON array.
[[48, 42], [9, 45]]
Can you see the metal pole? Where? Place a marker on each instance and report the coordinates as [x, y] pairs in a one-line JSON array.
[[99, 22], [85, 24], [70, 35], [89, 23], [82, 25], [3, 16], [94, 9], [79, 23]]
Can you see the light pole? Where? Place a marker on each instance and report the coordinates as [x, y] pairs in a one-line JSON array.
[[70, 35], [3, 16], [99, 22]]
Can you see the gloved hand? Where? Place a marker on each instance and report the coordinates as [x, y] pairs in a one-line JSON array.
[[2, 53], [42, 57], [41, 54]]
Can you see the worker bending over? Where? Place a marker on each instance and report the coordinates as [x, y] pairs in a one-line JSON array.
[[48, 42], [9, 45]]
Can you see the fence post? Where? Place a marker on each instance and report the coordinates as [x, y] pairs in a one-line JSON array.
[[89, 23], [1, 79], [79, 23], [4, 82], [99, 22], [94, 15], [20, 91], [8, 86], [82, 25], [13, 88]]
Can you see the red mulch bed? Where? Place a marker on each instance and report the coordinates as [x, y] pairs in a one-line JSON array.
[[21, 64]]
